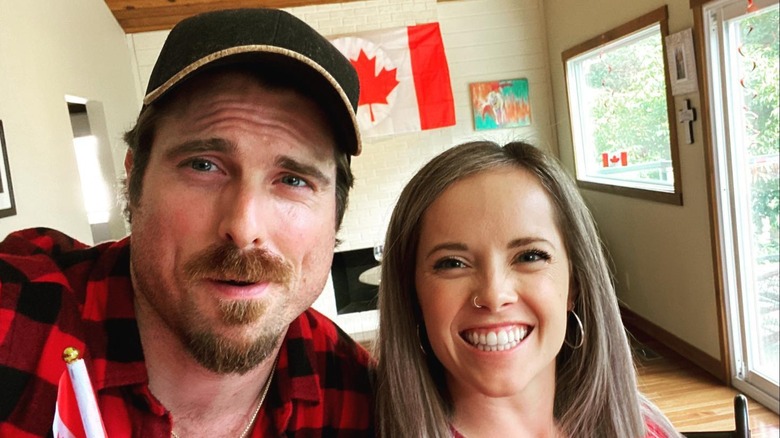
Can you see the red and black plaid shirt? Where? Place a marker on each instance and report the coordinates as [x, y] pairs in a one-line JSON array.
[[56, 293]]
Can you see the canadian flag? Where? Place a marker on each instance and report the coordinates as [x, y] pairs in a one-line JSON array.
[[77, 414], [404, 79], [619, 158]]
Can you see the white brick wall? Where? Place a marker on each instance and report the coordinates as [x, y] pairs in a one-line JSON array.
[[484, 40]]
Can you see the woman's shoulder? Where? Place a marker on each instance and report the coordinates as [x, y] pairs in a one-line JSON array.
[[654, 429], [455, 433], [656, 423]]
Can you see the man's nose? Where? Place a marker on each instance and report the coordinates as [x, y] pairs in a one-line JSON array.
[[244, 213]]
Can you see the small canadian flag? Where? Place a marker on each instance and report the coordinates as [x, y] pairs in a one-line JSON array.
[[76, 414], [614, 159]]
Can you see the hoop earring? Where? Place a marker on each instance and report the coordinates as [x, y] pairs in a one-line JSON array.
[[582, 333], [419, 341], [474, 302]]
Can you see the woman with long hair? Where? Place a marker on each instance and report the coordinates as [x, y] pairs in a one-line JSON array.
[[498, 316]]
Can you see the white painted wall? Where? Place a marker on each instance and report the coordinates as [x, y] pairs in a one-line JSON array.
[[50, 49], [484, 40]]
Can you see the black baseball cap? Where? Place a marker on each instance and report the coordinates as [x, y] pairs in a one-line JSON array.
[[267, 39]]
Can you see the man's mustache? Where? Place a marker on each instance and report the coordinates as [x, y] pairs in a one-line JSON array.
[[226, 262]]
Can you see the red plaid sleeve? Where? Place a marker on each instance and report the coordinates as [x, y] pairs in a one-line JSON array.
[[45, 280], [33, 295]]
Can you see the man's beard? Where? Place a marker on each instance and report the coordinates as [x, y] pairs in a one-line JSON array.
[[223, 355], [216, 352]]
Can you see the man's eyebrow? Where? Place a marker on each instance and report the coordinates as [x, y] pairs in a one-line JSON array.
[[311, 171], [194, 146]]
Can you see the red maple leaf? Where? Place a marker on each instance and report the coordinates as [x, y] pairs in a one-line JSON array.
[[374, 88]]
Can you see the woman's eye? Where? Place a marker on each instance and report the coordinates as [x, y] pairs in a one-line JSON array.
[[533, 256], [448, 264], [294, 181]]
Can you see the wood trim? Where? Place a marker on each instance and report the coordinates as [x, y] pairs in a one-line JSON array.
[[648, 195], [709, 160], [697, 4], [149, 15], [674, 143], [633, 321], [660, 14]]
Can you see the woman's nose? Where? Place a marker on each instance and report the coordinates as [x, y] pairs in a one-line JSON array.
[[498, 289]]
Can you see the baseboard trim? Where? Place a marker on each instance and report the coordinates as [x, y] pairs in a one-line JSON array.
[[633, 321]]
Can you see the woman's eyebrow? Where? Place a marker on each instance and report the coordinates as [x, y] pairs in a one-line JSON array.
[[450, 246], [524, 241]]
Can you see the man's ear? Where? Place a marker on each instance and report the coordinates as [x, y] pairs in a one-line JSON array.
[[128, 162]]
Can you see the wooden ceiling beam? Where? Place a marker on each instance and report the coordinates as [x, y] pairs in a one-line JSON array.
[[149, 15]]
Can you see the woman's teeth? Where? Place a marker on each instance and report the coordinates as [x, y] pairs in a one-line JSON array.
[[498, 340]]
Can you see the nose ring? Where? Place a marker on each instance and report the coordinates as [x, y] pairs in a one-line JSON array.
[[474, 302]]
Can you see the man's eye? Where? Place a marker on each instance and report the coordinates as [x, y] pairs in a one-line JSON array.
[[294, 181], [448, 264], [202, 165]]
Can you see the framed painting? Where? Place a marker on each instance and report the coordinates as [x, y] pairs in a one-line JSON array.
[[7, 204], [682, 62], [500, 104]]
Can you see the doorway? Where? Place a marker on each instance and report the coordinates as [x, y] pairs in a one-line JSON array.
[[741, 56], [96, 171]]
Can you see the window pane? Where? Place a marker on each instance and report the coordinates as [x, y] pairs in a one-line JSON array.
[[618, 100], [755, 76]]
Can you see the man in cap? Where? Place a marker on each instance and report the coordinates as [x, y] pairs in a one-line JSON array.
[[199, 323]]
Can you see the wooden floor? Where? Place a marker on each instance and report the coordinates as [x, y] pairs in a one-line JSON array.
[[690, 397]]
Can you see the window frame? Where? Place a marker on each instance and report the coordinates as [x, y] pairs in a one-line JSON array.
[[660, 17]]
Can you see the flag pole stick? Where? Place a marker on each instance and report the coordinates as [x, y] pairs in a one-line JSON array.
[[85, 395]]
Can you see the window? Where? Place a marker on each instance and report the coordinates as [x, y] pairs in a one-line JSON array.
[[619, 106]]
